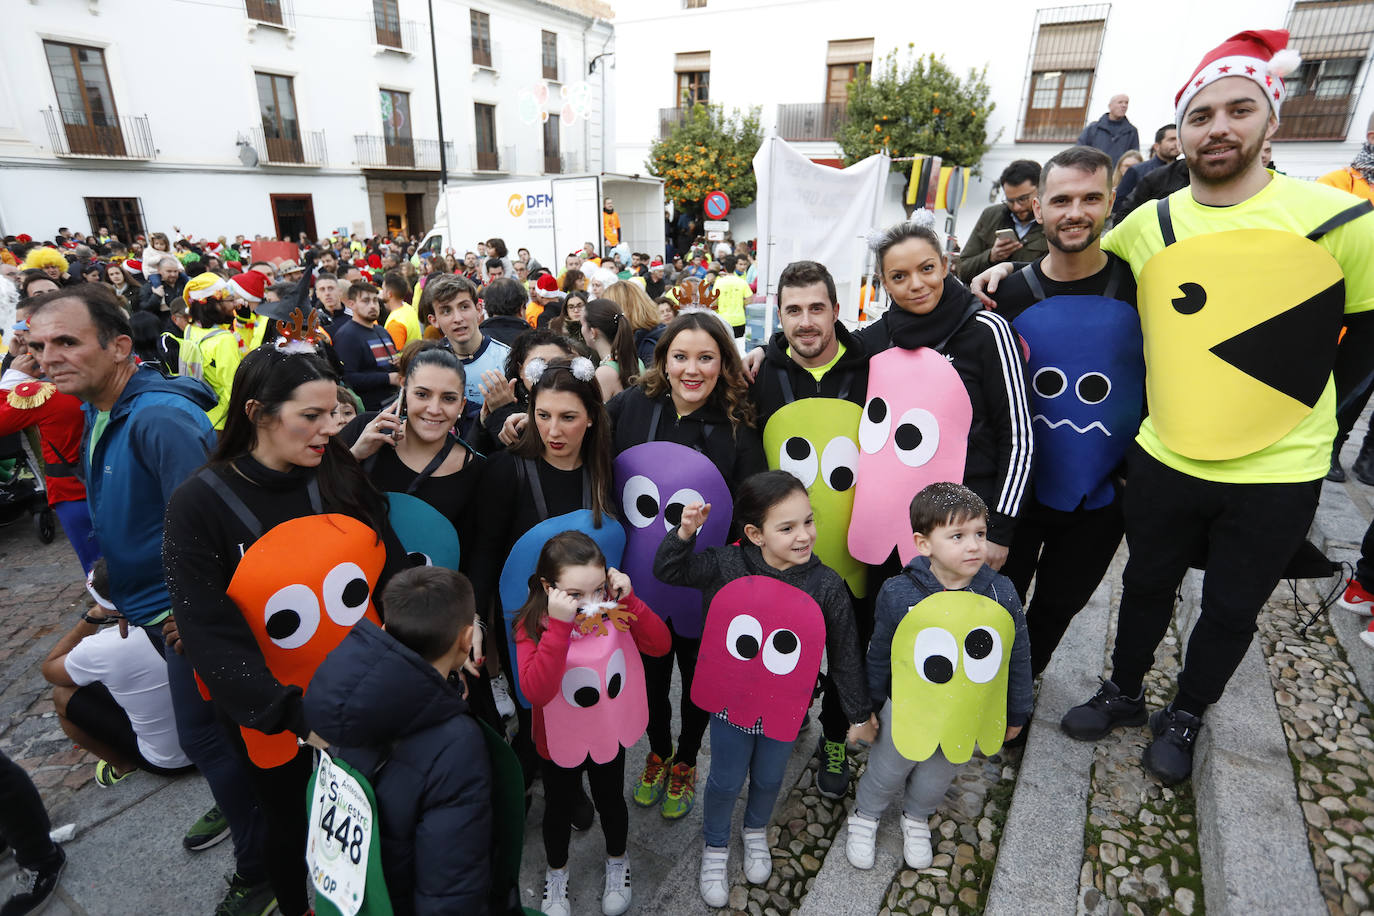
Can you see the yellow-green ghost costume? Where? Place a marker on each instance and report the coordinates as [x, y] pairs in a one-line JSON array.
[[816, 440], [949, 676]]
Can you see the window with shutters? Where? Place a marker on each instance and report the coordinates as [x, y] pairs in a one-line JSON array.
[[548, 54], [692, 78], [85, 101], [842, 62], [280, 127], [1333, 37], [553, 154], [480, 24], [484, 118], [1060, 72]]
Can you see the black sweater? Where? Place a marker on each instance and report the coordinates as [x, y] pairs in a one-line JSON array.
[[986, 353], [846, 380], [201, 548]]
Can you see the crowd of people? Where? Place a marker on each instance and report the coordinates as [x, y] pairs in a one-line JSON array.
[[429, 530]]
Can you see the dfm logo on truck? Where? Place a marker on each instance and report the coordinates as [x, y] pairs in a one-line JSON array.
[[517, 203]]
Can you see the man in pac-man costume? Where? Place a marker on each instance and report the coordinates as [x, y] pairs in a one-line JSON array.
[[814, 357], [1244, 280]]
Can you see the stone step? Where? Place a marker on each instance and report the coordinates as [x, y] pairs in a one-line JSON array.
[[842, 888], [1042, 843]]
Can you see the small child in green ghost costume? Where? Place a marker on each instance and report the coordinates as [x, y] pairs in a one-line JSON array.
[[958, 636]]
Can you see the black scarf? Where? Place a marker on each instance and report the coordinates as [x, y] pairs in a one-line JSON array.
[[910, 331]]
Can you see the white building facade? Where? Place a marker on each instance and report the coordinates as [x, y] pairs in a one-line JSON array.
[[275, 117], [1051, 69]]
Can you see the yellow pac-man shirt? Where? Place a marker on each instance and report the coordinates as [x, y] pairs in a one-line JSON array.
[[1241, 314]]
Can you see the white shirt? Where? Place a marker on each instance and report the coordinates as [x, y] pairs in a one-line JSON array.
[[136, 676]]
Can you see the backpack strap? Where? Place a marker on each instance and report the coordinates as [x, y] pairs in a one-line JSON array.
[[1340, 219], [240, 509], [1037, 289], [973, 308], [1166, 222]]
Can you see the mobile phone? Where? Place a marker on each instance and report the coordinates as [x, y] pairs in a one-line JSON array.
[[1006, 235], [400, 414]]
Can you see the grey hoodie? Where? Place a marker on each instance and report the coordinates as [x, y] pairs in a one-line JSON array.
[[899, 594]]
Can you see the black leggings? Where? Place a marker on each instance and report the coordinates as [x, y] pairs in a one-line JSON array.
[[282, 795], [1067, 553], [1246, 532], [658, 677], [562, 785]]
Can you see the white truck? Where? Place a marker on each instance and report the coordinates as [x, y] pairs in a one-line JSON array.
[[552, 216]]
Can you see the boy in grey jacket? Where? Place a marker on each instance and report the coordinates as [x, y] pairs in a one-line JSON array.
[[950, 525]]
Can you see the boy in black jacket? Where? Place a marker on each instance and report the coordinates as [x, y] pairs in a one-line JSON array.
[[384, 700]]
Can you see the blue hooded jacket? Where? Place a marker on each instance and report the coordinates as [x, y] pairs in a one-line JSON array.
[[157, 435]]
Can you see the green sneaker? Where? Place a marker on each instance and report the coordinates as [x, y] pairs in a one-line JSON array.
[[653, 781], [682, 791], [212, 828], [106, 775], [832, 776], [244, 899]]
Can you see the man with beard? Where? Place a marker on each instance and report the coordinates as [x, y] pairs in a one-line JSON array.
[[366, 350], [1245, 280], [1067, 549], [1008, 228], [813, 355]]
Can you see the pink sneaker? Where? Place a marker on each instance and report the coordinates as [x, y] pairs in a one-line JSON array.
[[1357, 599]]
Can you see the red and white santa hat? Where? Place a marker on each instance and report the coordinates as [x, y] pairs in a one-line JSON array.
[[249, 286], [1261, 55]]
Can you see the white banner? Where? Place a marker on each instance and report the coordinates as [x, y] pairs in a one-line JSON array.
[[812, 212]]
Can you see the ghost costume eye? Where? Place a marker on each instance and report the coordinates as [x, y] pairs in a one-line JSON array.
[[982, 654], [877, 419], [1049, 382], [1093, 387], [416, 558], [640, 501], [744, 637], [292, 615], [672, 511], [936, 655], [917, 437], [798, 458], [782, 652], [615, 674], [581, 687], [839, 463], [345, 594]]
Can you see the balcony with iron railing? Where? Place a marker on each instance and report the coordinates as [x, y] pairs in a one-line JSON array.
[[669, 119], [810, 120], [554, 71], [279, 13], [377, 152], [307, 148], [487, 56], [496, 160], [402, 35], [98, 135]]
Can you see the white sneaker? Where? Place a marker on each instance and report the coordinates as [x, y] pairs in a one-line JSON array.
[[556, 893], [758, 858], [616, 898], [505, 706], [916, 843], [714, 889], [861, 847]]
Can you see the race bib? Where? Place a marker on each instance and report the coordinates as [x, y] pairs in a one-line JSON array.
[[340, 836]]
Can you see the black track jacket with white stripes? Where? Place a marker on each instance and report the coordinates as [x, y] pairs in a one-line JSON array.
[[987, 354]]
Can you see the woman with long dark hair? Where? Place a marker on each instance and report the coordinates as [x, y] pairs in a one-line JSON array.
[[695, 395], [272, 552]]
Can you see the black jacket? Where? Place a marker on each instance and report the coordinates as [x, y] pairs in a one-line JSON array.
[[505, 328], [736, 453], [986, 353], [391, 716], [646, 340], [846, 380], [1156, 185], [161, 297]]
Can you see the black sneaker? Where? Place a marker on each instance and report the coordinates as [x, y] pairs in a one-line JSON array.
[[34, 888], [1107, 710], [244, 899], [1364, 470], [832, 776], [583, 812], [1170, 756], [1337, 473]]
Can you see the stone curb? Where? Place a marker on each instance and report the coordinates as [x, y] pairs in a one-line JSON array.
[[1251, 834], [1037, 869]]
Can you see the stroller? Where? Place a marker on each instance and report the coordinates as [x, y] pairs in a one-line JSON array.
[[23, 488]]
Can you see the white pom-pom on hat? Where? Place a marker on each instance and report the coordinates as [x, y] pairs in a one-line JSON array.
[[1285, 62]]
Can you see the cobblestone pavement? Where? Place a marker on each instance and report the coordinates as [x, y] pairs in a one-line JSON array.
[[1327, 722]]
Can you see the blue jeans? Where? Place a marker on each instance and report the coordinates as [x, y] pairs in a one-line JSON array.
[[736, 754], [203, 739]]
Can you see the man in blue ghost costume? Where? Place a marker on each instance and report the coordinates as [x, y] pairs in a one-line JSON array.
[[1075, 310]]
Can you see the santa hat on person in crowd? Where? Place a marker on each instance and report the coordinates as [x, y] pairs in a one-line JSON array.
[[248, 286], [656, 264], [132, 266], [1261, 55], [235, 266], [546, 287]]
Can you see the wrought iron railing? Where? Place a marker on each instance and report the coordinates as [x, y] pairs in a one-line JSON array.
[[501, 159], [307, 148], [379, 152], [810, 120], [84, 133]]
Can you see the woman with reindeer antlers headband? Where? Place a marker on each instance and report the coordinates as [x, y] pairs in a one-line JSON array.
[[272, 552]]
